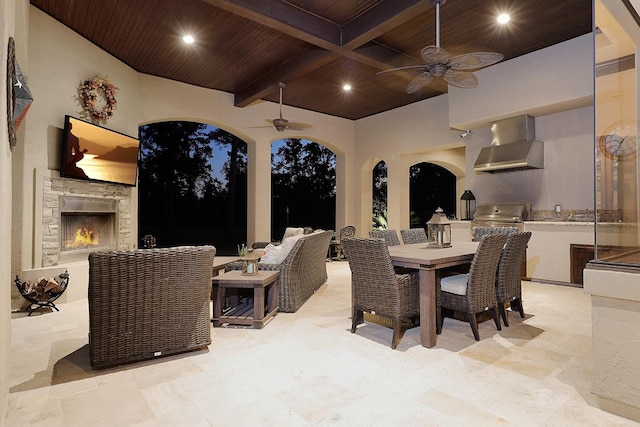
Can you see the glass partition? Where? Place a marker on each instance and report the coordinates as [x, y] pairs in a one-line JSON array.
[[617, 36]]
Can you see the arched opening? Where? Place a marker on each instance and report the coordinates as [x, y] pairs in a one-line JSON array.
[[430, 187], [303, 186], [192, 185], [379, 199]]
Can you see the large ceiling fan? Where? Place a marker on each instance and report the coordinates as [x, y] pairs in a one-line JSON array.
[[439, 64], [282, 124]]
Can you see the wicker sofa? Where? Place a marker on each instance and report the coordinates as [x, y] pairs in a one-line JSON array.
[[148, 303], [302, 271]]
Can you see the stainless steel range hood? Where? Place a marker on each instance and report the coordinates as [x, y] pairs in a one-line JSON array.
[[513, 147]]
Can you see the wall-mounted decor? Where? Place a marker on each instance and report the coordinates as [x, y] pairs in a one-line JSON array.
[[19, 97], [97, 97]]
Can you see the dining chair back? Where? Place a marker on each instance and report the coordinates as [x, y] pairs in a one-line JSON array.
[[390, 236], [413, 235], [509, 283], [474, 292], [376, 288], [347, 231]]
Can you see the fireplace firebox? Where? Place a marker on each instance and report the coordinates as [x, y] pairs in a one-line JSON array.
[[87, 224]]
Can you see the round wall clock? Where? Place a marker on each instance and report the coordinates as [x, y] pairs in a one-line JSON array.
[[620, 142]]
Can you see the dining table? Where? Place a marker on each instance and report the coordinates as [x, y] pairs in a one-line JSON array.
[[429, 261]]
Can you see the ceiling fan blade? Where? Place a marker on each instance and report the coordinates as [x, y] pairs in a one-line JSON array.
[[298, 126], [475, 60], [419, 82], [434, 55], [463, 79], [408, 67]]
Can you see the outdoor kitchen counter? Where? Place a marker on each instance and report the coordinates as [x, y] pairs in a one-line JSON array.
[[548, 252]]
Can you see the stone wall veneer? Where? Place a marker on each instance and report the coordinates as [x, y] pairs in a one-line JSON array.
[[54, 188]]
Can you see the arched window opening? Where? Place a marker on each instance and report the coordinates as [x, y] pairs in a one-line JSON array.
[[379, 205], [303, 186], [430, 187], [192, 186]]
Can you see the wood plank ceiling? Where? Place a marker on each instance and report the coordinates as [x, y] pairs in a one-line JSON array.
[[246, 46]]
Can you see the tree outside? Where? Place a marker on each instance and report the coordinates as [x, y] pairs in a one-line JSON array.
[[182, 199], [430, 187], [303, 186], [379, 208]]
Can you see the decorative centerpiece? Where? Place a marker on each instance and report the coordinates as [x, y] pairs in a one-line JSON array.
[[250, 264], [439, 230], [89, 93]]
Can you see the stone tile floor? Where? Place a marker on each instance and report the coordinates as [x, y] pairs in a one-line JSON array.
[[307, 369]]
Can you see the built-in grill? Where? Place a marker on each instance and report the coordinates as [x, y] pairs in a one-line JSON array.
[[489, 217], [501, 218]]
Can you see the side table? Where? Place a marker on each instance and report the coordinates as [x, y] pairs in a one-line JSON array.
[[256, 314]]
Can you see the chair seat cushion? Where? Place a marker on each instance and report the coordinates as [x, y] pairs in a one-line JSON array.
[[456, 284]]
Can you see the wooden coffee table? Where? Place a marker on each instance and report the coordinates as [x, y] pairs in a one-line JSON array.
[[256, 314]]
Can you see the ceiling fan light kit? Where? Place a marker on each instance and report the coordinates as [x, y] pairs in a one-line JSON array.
[[439, 64]]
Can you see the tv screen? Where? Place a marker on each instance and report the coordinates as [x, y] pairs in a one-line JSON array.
[[95, 153]]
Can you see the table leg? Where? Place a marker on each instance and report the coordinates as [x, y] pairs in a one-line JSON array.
[[218, 291], [427, 307], [258, 307]]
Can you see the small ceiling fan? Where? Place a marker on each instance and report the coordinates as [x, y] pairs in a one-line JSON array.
[[282, 124], [439, 64]]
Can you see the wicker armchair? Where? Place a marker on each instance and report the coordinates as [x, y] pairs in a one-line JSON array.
[[474, 292], [376, 288], [413, 235], [148, 303], [509, 284], [390, 236]]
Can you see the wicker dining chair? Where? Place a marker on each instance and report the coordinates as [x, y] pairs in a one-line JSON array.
[[377, 289], [509, 283], [348, 231], [474, 292], [413, 235], [390, 236]]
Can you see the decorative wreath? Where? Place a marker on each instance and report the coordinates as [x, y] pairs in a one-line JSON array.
[[88, 92]]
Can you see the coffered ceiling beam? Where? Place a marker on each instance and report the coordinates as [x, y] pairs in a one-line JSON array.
[[384, 17], [347, 41], [301, 64], [285, 18]]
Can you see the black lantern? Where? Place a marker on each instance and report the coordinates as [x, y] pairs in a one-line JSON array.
[[467, 205], [439, 230]]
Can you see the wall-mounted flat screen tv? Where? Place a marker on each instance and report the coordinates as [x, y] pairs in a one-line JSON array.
[[95, 153]]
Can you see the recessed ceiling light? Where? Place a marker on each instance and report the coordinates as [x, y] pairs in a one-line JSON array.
[[346, 87], [188, 39], [503, 18]]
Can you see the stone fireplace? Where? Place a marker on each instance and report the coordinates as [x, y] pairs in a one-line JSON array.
[[79, 217]]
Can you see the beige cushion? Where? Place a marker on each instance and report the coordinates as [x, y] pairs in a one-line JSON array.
[[271, 254], [287, 245], [456, 284], [292, 231]]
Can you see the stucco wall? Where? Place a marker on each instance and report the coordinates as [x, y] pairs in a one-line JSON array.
[[7, 12]]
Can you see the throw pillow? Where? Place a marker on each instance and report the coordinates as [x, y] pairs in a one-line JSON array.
[[292, 231], [287, 245], [271, 254]]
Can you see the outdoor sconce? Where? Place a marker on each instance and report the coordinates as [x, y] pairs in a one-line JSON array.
[[249, 265], [467, 205], [439, 230]]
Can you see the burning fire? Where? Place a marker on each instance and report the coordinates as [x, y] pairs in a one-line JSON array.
[[84, 237]]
